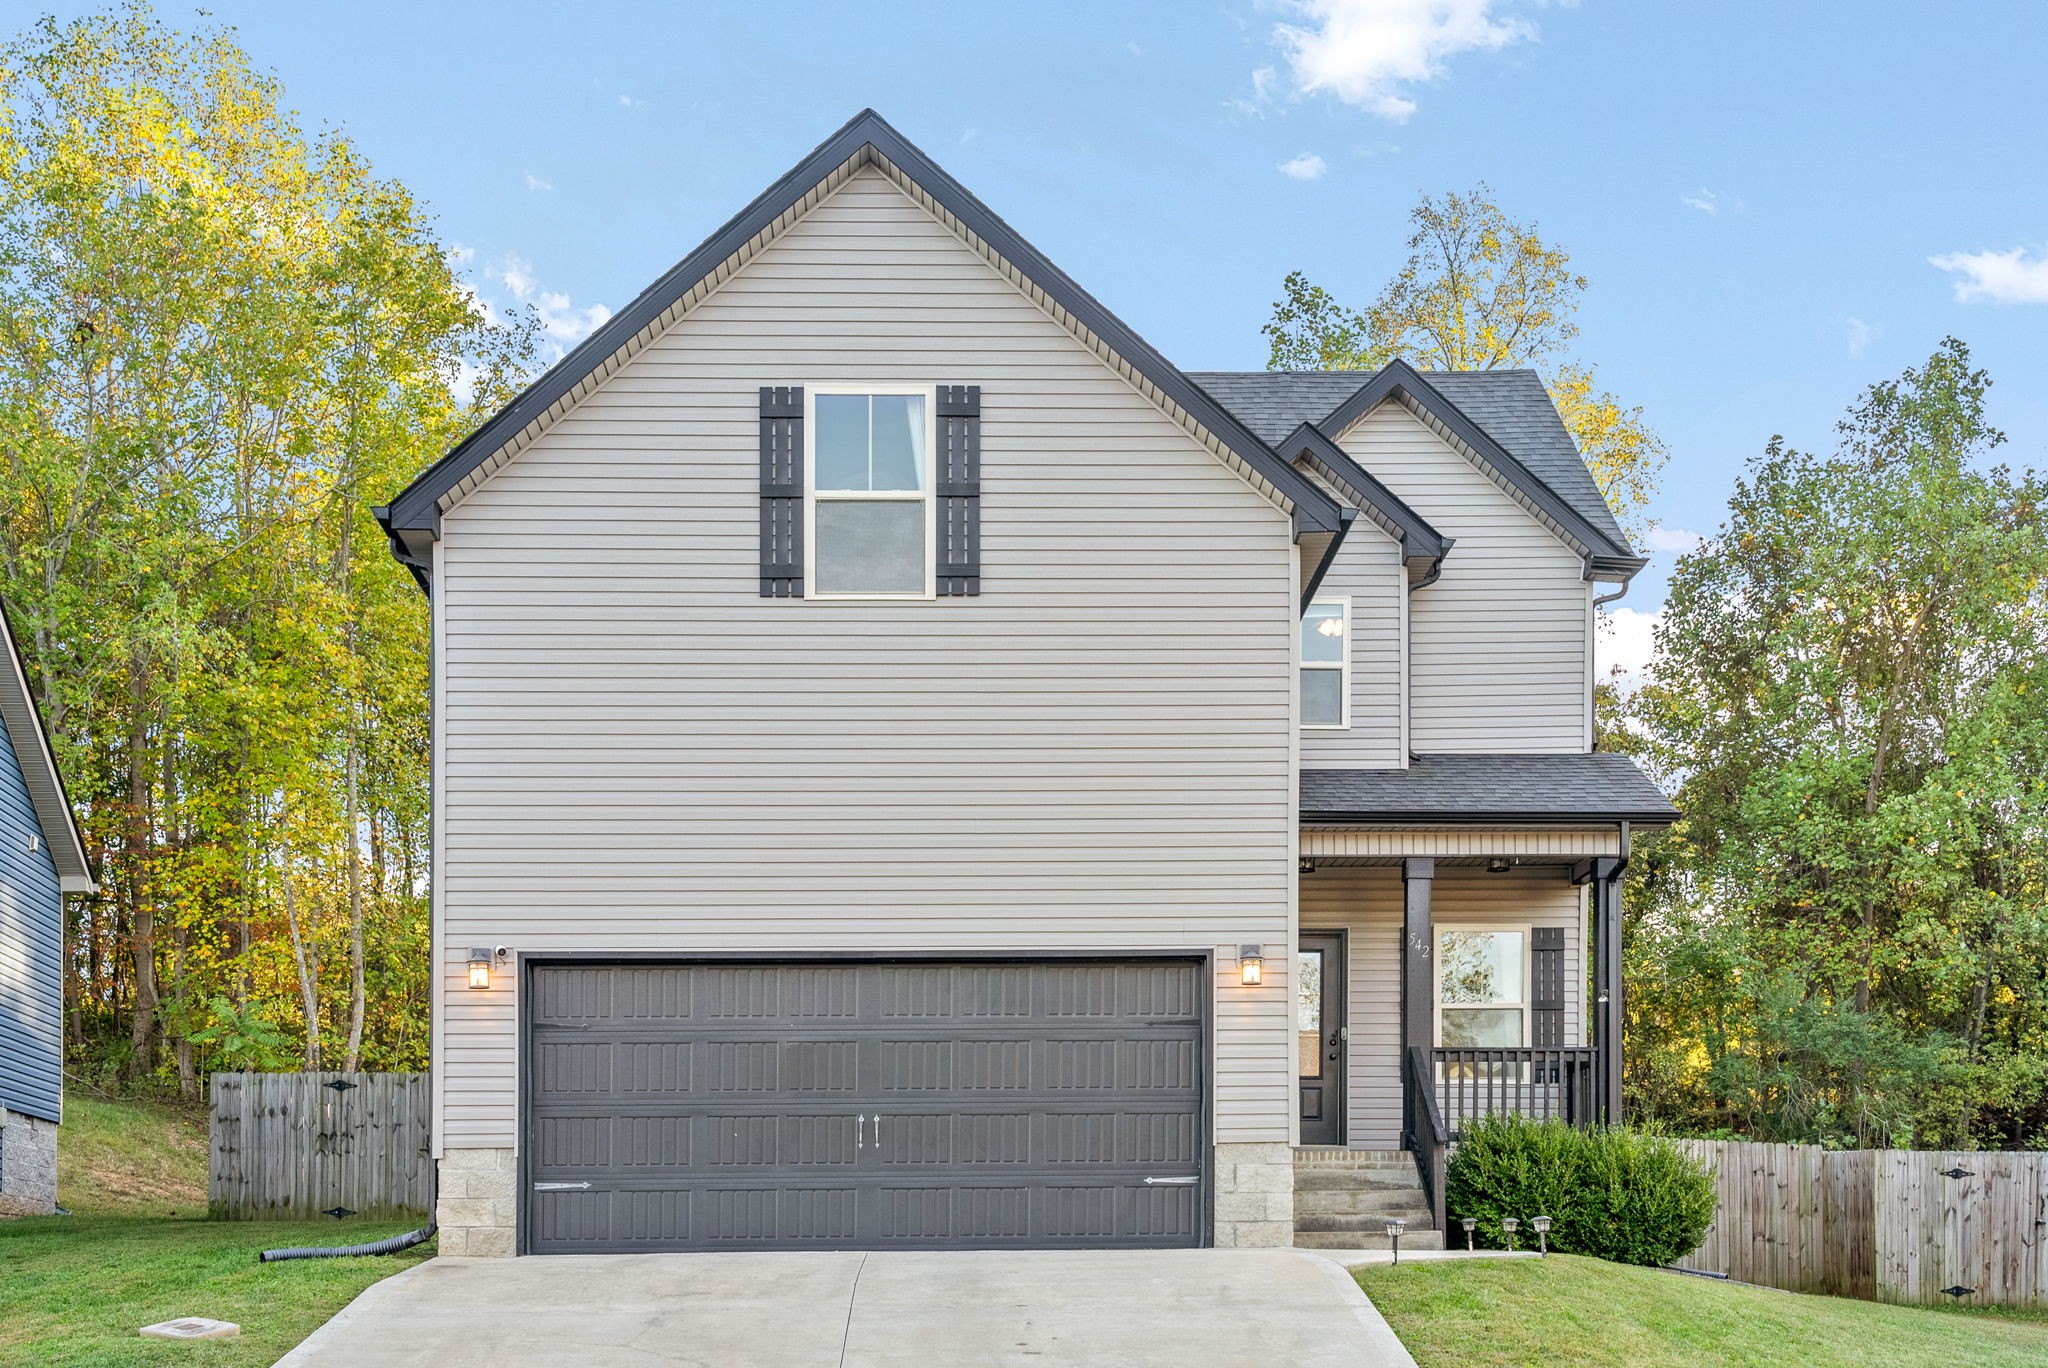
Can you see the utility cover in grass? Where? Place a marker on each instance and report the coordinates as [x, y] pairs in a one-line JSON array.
[[191, 1328]]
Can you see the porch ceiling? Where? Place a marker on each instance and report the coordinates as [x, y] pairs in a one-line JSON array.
[[1338, 846]]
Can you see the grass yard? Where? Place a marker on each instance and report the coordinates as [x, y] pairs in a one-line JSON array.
[[1490, 1314], [139, 1249]]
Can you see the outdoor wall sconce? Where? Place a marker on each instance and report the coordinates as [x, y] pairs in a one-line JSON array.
[[1499, 864], [1508, 1226], [1542, 1224], [481, 958], [1395, 1225], [1307, 865], [1251, 965], [1471, 1224]]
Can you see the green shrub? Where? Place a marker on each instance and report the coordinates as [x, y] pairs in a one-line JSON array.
[[1617, 1194]]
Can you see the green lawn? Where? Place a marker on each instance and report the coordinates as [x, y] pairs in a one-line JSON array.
[[1489, 1314], [139, 1249]]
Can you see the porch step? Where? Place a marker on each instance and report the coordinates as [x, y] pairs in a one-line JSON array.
[[1381, 1201], [1336, 1156], [1357, 1180], [1411, 1239]]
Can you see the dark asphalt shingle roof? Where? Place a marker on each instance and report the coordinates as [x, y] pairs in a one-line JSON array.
[[1603, 786], [1511, 406]]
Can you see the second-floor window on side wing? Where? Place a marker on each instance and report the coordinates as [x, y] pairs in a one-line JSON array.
[[870, 505], [1326, 664], [1482, 988]]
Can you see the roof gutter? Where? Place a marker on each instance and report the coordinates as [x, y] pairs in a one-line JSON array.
[[1440, 817]]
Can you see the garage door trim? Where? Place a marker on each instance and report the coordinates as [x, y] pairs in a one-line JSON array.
[[526, 962]]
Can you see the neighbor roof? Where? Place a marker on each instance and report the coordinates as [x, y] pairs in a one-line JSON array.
[[39, 770], [1510, 406], [1599, 787], [867, 136]]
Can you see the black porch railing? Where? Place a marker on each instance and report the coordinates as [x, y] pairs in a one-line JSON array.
[[1545, 1082], [1426, 1138]]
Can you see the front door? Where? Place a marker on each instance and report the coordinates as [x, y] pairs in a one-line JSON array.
[[1319, 1035]]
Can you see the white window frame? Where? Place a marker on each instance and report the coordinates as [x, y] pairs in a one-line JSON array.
[[1436, 985], [812, 494], [1342, 666]]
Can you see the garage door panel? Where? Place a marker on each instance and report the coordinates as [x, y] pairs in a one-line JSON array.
[[865, 1105]]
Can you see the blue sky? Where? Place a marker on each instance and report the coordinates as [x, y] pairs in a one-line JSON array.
[[1756, 190]]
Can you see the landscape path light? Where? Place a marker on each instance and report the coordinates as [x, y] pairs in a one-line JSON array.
[[1508, 1226], [1542, 1224], [1395, 1225], [1471, 1224]]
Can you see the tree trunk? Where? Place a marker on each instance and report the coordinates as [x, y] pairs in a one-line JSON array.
[[355, 917], [309, 973], [142, 915]]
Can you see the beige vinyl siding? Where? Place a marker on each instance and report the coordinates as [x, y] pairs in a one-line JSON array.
[[1369, 571], [1500, 647], [639, 753], [1366, 902]]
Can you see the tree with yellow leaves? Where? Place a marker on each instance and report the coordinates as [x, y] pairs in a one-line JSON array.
[[1479, 291]]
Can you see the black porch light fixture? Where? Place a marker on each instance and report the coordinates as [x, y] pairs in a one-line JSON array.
[[1251, 965], [1499, 864]]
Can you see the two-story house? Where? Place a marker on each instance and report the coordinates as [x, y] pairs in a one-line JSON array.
[[913, 768]]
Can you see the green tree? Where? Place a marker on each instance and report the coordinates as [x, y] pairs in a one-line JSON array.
[[1479, 291], [1849, 925], [220, 338]]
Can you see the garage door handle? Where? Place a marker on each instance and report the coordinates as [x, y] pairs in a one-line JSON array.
[[561, 1187], [1189, 1181]]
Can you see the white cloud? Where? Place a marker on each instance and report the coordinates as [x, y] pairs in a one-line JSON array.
[[628, 102], [1306, 167], [1370, 52], [562, 324], [1711, 202], [534, 182], [1860, 334], [2011, 277], [969, 135], [1134, 48], [1673, 539], [1626, 645]]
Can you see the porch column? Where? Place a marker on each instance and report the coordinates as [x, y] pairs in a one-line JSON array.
[[1607, 1004], [1418, 949]]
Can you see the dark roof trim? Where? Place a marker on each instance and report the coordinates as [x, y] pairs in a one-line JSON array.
[[414, 508], [1346, 516], [39, 773], [1658, 817], [1419, 541], [1397, 379]]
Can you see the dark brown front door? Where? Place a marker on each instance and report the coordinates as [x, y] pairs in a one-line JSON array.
[[1319, 1037]]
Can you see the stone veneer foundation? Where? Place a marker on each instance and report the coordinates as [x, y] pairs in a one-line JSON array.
[[28, 1165], [477, 1207], [1254, 1196]]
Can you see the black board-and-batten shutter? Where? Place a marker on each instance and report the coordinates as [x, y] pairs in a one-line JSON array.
[[959, 490], [782, 491], [1546, 986]]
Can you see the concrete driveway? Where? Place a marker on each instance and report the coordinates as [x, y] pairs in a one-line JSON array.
[[1120, 1308]]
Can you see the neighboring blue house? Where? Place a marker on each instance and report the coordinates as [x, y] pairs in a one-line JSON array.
[[41, 859]]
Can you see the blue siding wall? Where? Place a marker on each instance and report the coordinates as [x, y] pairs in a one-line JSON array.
[[31, 950]]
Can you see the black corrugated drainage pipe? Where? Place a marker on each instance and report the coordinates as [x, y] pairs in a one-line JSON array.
[[390, 1246]]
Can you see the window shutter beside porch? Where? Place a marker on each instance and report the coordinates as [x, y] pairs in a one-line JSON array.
[[782, 492], [959, 490], [1546, 986]]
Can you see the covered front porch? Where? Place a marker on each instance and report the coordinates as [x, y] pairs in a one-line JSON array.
[[1458, 950]]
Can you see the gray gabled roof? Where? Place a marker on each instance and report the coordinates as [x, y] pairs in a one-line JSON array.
[[1599, 787], [415, 509], [39, 770], [1510, 406]]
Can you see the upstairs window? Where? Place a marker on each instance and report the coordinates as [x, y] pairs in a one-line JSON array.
[[868, 458], [1326, 664]]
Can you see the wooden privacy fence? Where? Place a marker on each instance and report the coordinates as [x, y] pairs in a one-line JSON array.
[[1922, 1227], [296, 1145]]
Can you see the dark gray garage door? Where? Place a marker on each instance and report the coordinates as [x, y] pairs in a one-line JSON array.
[[871, 1105]]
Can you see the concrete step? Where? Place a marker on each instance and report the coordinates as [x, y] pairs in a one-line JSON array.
[[1327, 1154], [1356, 1180], [1356, 1239], [1358, 1201], [1374, 1222]]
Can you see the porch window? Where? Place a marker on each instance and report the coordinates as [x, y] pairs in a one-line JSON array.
[[1326, 664], [1482, 988], [870, 504]]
